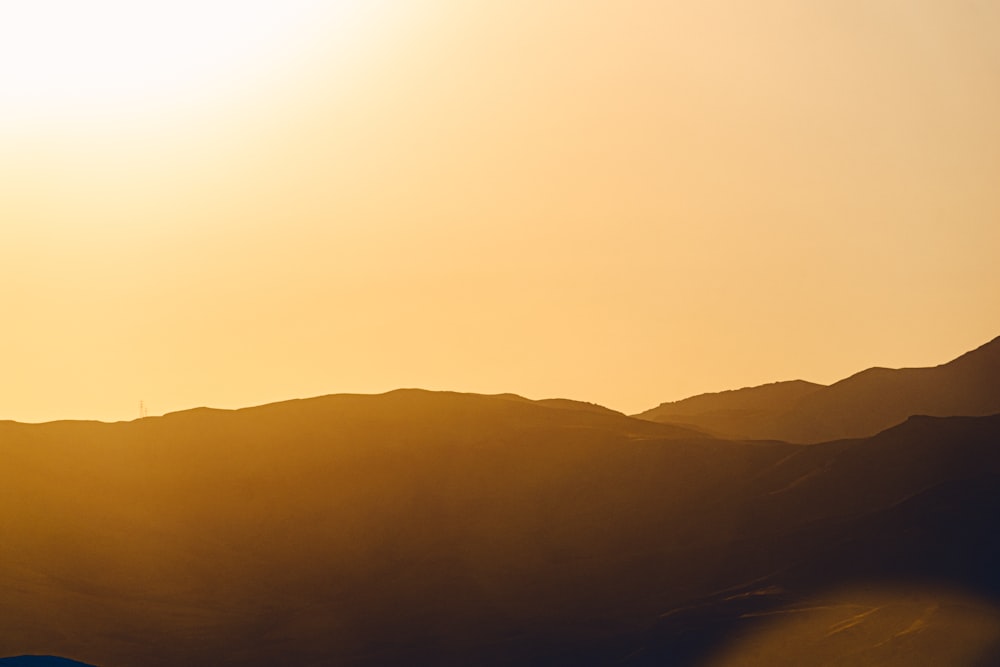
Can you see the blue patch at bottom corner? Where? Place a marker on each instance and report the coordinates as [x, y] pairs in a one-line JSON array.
[[41, 661]]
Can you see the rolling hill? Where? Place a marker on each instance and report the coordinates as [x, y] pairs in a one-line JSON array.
[[858, 406], [431, 528]]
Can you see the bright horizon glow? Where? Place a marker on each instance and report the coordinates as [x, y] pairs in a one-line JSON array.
[[235, 203], [104, 59]]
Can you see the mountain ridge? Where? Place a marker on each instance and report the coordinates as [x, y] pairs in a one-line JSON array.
[[859, 405], [424, 529]]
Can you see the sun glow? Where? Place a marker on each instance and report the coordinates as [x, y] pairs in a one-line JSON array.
[[113, 58]]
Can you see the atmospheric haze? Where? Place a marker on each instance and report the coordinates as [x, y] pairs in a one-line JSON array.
[[319, 305], [559, 199]]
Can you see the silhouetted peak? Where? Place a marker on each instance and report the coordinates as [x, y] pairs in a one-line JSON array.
[[201, 410], [867, 374], [754, 397], [987, 354], [582, 406], [408, 397]]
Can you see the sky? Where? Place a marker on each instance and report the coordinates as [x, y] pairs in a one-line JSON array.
[[233, 203]]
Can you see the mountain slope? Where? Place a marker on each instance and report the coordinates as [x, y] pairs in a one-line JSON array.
[[858, 406], [734, 411], [420, 528]]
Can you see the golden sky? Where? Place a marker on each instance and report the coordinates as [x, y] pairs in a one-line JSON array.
[[231, 203]]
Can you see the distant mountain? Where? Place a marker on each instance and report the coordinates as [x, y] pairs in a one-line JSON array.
[[563, 403], [433, 528], [732, 412], [859, 406]]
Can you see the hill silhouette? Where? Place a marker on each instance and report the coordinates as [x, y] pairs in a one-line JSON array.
[[858, 406], [734, 411], [434, 528]]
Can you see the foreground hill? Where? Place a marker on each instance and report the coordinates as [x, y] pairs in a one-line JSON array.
[[419, 528], [858, 406]]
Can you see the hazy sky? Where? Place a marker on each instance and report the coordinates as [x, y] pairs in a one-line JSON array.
[[232, 203]]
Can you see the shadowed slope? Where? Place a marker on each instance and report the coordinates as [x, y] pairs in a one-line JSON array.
[[903, 522], [419, 528], [858, 406], [341, 526]]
